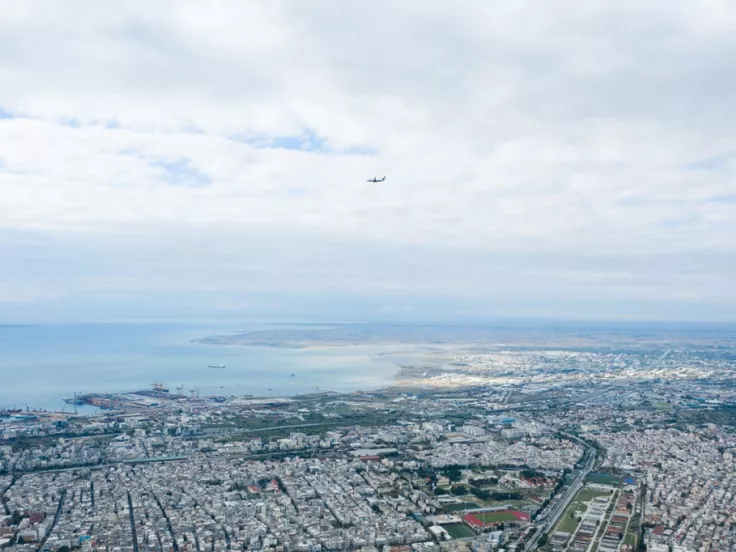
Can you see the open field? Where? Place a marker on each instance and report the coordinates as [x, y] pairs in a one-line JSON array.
[[512, 502], [460, 506], [586, 495], [458, 530], [495, 517], [567, 522], [604, 479]]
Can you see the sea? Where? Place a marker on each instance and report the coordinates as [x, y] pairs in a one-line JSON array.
[[41, 365]]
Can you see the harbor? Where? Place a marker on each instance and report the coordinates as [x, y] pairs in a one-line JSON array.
[[127, 357], [157, 396]]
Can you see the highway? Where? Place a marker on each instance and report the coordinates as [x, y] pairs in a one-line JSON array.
[[559, 507], [553, 512]]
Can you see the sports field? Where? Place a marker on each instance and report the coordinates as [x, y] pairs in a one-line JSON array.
[[482, 519], [604, 479], [458, 530], [459, 506]]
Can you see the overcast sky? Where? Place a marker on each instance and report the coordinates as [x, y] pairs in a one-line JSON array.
[[547, 159]]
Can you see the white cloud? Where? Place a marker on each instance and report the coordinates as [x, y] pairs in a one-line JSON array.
[[598, 128]]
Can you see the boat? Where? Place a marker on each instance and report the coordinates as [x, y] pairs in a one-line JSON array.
[[76, 400], [216, 366]]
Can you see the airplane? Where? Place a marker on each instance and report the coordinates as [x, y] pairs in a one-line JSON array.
[[374, 179]]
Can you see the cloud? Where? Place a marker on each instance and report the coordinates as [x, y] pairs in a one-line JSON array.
[[571, 142]]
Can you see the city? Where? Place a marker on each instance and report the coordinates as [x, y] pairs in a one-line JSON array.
[[367, 276], [540, 450]]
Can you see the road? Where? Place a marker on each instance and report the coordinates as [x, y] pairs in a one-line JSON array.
[[231, 431], [560, 506], [131, 461], [174, 544], [59, 507], [132, 523], [555, 511]]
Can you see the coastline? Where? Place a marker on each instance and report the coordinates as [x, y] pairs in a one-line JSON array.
[[109, 359]]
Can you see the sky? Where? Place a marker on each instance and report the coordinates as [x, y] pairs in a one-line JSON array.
[[181, 159]]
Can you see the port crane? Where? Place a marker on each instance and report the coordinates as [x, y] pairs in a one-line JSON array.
[[75, 400]]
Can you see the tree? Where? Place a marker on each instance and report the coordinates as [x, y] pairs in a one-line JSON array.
[[505, 496], [16, 518], [543, 539], [480, 481]]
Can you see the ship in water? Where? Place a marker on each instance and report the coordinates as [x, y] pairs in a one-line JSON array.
[[76, 400], [216, 366]]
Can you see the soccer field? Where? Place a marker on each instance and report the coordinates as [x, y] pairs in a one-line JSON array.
[[495, 517], [458, 531], [604, 478], [484, 519], [460, 506]]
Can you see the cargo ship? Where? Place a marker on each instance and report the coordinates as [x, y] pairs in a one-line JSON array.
[[216, 366], [76, 399]]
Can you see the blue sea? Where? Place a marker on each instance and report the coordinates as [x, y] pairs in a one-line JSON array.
[[40, 365]]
